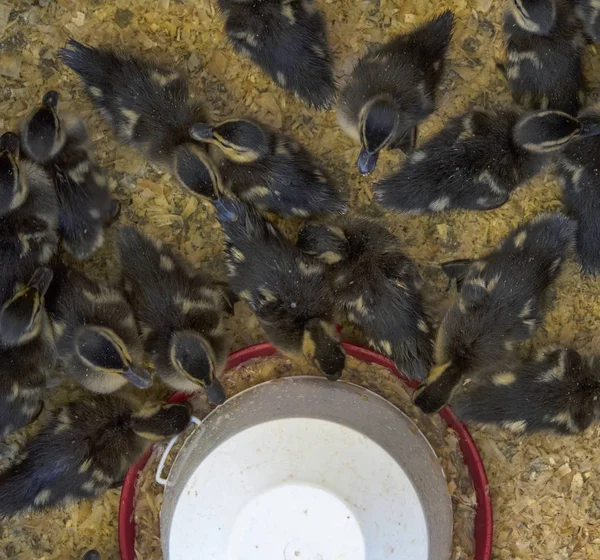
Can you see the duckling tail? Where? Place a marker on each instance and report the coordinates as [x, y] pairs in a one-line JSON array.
[[94, 66]]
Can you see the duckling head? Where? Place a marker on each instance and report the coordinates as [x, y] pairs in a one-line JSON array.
[[193, 357], [321, 345], [161, 422], [241, 141], [441, 382], [196, 171], [105, 354], [535, 16], [380, 126], [42, 133], [545, 132], [13, 187], [325, 242], [21, 316]]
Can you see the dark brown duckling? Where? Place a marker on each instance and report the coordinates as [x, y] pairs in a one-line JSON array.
[[269, 170], [499, 305], [27, 353], [97, 337], [377, 288], [85, 448], [286, 289], [393, 88], [559, 391], [60, 143], [544, 52], [287, 39], [180, 312]]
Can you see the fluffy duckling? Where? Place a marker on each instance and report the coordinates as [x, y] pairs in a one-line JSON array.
[[268, 170], [286, 289], [287, 39], [500, 304], [180, 312], [28, 217], [85, 448], [578, 144], [559, 391], [27, 354], [377, 288], [393, 88], [60, 143], [544, 52], [473, 163], [96, 334], [588, 12], [148, 105]]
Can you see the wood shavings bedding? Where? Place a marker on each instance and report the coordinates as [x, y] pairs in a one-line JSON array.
[[376, 378]]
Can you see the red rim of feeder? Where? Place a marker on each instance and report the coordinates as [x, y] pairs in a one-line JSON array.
[[484, 517]]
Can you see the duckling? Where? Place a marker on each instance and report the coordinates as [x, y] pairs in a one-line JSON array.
[[84, 449], [558, 391], [393, 88], [287, 39], [96, 334], [377, 288], [578, 145], [473, 163], [588, 12], [148, 104], [500, 304], [544, 52], [27, 354], [180, 312], [60, 143], [28, 217], [286, 289], [268, 170]]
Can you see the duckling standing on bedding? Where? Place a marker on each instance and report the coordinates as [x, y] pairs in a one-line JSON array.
[[499, 305], [85, 448], [577, 142], [559, 391], [268, 170], [27, 354], [97, 338], [393, 88], [473, 163], [180, 312], [28, 217], [588, 12], [377, 288], [60, 143], [286, 289], [287, 39], [544, 52]]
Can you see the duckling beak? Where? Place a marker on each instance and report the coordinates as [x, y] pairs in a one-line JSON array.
[[138, 377], [589, 129], [41, 280], [201, 132], [367, 161], [215, 392], [114, 211], [9, 142]]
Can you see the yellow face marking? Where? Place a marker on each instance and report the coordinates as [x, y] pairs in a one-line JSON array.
[[504, 379], [437, 372]]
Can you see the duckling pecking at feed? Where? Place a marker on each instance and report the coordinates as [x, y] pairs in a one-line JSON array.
[[473, 163], [60, 143], [84, 449], [501, 303], [393, 88], [544, 52], [27, 354], [377, 288], [97, 337], [286, 289], [180, 312], [288, 40], [559, 391], [577, 142], [269, 170]]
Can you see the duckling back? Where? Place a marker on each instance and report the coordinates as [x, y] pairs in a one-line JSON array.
[[147, 104], [473, 163], [287, 39]]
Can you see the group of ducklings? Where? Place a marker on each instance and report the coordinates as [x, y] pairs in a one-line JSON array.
[[341, 269]]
